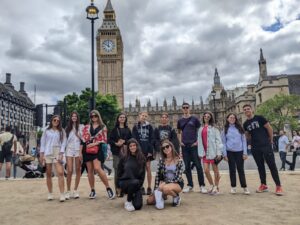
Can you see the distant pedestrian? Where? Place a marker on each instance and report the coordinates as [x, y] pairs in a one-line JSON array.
[[131, 175], [8, 142], [283, 146], [235, 151], [295, 144], [118, 139], [143, 133], [19, 152], [73, 153], [210, 148], [53, 144], [259, 130]]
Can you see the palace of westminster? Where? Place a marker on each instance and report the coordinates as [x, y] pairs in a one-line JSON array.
[[110, 81], [17, 109]]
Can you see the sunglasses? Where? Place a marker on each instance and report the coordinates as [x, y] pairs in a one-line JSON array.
[[185, 107], [165, 147], [56, 120], [94, 116]]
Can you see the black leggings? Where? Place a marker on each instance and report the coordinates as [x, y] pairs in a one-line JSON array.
[[261, 155], [236, 162], [132, 188]]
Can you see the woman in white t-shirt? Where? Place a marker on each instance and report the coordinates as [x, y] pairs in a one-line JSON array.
[[74, 133], [53, 144]]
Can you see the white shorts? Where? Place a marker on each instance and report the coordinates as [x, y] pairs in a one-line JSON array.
[[53, 158], [72, 153]]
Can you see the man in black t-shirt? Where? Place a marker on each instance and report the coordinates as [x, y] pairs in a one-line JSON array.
[[259, 130], [165, 132]]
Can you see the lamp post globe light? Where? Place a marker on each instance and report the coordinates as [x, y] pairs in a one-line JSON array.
[[213, 94], [92, 15]]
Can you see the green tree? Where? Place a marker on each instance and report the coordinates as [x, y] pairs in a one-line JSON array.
[[281, 109], [107, 105]]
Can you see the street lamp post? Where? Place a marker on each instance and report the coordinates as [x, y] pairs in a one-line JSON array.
[[92, 15], [213, 94]]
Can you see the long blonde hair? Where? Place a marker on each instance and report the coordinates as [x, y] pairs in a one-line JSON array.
[[94, 111]]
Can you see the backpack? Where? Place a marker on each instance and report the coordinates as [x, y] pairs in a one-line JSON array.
[[8, 145]]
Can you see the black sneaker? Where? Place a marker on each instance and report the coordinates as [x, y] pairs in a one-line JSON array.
[[143, 191], [176, 201], [110, 193], [92, 195], [149, 191]]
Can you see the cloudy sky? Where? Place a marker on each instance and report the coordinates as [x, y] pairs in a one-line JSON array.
[[171, 46]]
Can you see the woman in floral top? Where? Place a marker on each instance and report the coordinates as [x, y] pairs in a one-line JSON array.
[[168, 180], [93, 136]]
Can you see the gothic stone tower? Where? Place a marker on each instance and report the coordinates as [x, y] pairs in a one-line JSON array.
[[110, 56]]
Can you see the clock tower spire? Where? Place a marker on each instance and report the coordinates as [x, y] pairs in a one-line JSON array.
[[110, 56]]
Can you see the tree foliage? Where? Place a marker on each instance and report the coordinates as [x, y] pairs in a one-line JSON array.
[[281, 109], [107, 105]]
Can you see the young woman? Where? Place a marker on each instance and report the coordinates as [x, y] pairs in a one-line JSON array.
[[235, 151], [210, 149], [118, 142], [74, 133], [143, 133], [131, 175], [93, 135], [53, 143], [168, 179], [296, 146]]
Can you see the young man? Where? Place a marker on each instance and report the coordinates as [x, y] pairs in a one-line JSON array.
[[259, 130], [143, 133], [8, 142], [283, 145], [188, 127], [165, 132]]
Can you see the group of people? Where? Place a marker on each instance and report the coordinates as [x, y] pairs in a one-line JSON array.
[[133, 150], [284, 145]]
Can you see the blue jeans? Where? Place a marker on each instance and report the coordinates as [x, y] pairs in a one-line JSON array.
[[190, 154], [13, 159]]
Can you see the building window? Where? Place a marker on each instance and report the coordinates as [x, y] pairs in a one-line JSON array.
[[260, 98]]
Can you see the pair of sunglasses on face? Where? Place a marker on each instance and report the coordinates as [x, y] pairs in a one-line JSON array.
[[93, 116], [185, 107], [56, 120], [165, 147]]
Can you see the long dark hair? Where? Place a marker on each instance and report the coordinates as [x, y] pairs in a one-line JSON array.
[[139, 154], [70, 124], [117, 123], [211, 120], [174, 153], [59, 127], [237, 124]]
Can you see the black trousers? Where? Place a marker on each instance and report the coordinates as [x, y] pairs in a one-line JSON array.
[[293, 163], [283, 160], [262, 154], [190, 154], [132, 188], [236, 162]]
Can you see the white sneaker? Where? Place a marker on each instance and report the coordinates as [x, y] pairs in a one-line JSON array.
[[215, 190], [187, 189], [50, 197], [233, 190], [203, 190], [160, 203], [62, 197], [75, 194], [246, 191], [129, 207], [67, 195]]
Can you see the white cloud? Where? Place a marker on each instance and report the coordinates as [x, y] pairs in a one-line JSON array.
[[171, 47]]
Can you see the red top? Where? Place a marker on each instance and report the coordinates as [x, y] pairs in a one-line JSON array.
[[204, 138]]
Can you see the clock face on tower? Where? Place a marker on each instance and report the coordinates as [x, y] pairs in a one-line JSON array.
[[108, 45]]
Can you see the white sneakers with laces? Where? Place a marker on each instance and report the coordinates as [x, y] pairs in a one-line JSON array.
[[233, 190], [187, 189], [160, 203], [203, 190], [62, 197], [67, 195], [75, 194], [50, 197], [129, 207], [246, 191]]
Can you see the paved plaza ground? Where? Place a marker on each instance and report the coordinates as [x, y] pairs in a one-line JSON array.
[[23, 202]]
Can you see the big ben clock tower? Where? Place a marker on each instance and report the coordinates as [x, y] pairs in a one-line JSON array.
[[110, 56]]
